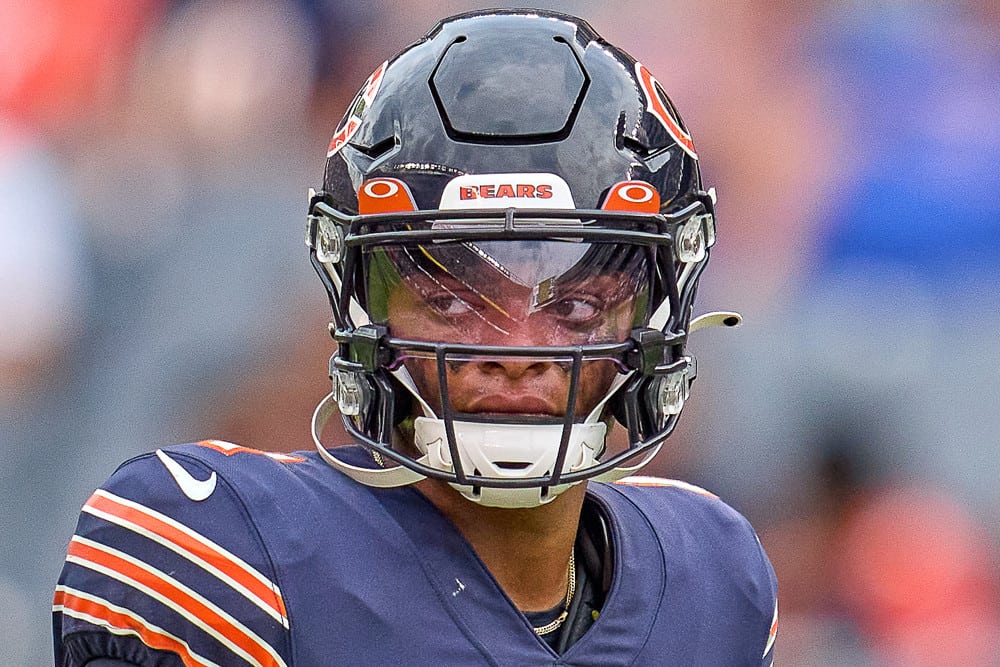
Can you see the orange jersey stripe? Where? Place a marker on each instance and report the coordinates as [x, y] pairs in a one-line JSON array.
[[101, 612], [229, 449], [193, 544], [191, 606], [773, 633], [645, 480]]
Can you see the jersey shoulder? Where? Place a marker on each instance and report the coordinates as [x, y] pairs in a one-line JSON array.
[[709, 530], [168, 557], [710, 542], [680, 507]]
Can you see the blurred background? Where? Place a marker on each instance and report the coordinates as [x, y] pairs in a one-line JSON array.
[[155, 288]]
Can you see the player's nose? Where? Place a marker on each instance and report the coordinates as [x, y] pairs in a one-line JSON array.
[[515, 367], [525, 334]]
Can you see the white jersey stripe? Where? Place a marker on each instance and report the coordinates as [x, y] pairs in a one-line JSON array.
[[214, 632], [194, 535], [772, 633], [270, 609]]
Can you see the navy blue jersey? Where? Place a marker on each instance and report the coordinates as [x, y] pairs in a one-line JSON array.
[[214, 554]]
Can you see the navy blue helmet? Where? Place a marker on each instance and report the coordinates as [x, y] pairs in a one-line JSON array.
[[510, 196]]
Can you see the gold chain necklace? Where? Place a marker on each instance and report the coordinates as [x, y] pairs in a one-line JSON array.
[[570, 590]]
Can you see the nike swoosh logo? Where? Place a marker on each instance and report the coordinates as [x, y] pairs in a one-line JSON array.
[[195, 489]]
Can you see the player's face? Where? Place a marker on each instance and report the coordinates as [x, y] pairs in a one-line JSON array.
[[488, 308]]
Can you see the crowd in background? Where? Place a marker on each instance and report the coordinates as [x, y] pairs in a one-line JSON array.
[[155, 287]]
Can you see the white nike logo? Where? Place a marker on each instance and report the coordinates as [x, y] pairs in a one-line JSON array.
[[195, 489]]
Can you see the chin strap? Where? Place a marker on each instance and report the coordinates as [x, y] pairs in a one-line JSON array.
[[510, 452], [379, 477], [384, 478]]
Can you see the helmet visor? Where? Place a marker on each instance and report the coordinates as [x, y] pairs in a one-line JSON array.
[[509, 292]]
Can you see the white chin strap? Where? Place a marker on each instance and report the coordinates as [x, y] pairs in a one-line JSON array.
[[509, 451], [503, 451]]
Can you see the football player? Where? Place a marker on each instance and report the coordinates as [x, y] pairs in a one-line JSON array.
[[511, 230]]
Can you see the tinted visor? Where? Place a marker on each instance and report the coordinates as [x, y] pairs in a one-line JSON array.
[[551, 292]]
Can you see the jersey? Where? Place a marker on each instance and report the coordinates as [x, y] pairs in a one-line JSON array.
[[215, 554]]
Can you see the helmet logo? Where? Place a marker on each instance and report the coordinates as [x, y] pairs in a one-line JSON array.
[[384, 195], [356, 111], [518, 190], [381, 188], [636, 193], [658, 107], [636, 196], [499, 190]]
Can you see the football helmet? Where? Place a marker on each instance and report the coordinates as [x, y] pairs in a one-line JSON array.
[[511, 230]]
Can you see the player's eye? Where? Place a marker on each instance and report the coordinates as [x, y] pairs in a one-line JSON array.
[[449, 304], [576, 311]]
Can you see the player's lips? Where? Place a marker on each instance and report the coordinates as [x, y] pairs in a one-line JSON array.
[[513, 405]]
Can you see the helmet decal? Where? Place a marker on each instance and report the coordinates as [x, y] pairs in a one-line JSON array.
[[656, 106], [385, 195], [632, 196], [356, 111], [503, 190]]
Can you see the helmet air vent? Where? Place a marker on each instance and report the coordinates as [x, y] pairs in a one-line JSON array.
[[492, 90]]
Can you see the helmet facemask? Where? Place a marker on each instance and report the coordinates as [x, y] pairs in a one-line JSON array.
[[498, 343]]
